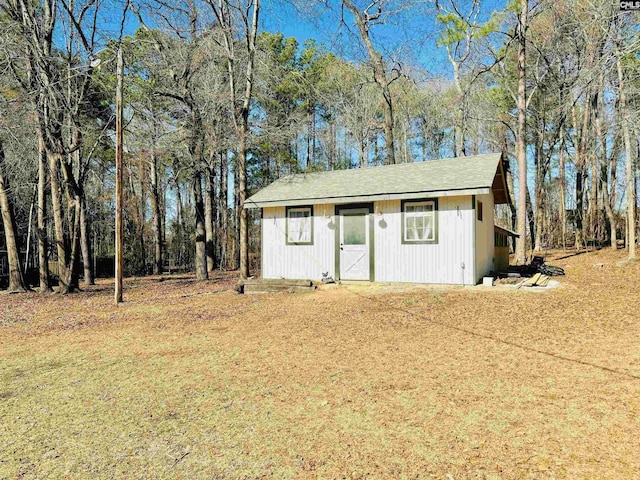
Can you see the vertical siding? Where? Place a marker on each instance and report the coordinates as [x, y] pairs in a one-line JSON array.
[[298, 261], [394, 261], [426, 263], [484, 237]]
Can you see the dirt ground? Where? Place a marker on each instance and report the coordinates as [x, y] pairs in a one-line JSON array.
[[190, 380]]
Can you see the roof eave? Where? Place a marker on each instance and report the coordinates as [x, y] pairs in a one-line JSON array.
[[500, 187], [249, 203], [506, 231]]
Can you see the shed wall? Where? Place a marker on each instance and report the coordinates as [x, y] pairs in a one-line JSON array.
[[501, 258], [280, 260], [484, 237], [441, 262], [449, 261]]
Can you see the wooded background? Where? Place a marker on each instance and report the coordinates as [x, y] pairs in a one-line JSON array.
[[217, 107]]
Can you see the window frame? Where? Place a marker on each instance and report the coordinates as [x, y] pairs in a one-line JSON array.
[[410, 202], [311, 217], [479, 215]]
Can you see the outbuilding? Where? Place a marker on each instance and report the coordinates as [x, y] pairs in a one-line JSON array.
[[423, 222]]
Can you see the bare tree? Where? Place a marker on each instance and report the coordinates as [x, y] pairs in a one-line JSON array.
[[630, 169], [521, 138], [457, 38], [58, 98], [182, 52], [364, 19], [562, 179], [43, 242], [16, 280], [608, 164], [231, 16]]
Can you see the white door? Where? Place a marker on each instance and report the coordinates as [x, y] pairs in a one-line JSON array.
[[354, 244]]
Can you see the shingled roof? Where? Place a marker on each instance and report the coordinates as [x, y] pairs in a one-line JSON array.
[[473, 175]]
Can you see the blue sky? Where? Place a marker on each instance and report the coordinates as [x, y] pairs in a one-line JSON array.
[[412, 40], [409, 36]]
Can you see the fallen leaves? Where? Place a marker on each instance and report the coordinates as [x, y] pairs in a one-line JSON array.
[[191, 380]]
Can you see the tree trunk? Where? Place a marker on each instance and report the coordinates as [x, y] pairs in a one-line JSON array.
[[314, 135], [236, 216], [609, 197], [85, 243], [512, 208], [593, 199], [72, 269], [201, 233], [629, 170], [579, 213], [179, 204], [362, 151], [242, 195], [72, 192], [542, 169], [311, 139], [408, 158], [332, 144], [43, 244], [424, 139], [180, 252], [210, 214], [241, 122], [142, 205], [16, 279], [460, 126], [157, 215], [609, 204], [58, 222], [580, 163], [388, 120], [459, 129], [539, 189], [521, 245], [531, 217], [563, 190], [223, 208]]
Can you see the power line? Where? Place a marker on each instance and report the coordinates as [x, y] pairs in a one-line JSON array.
[[502, 341]]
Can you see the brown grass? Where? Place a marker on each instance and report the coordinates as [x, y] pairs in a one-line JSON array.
[[191, 380]]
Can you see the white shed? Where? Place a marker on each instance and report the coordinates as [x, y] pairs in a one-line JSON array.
[[426, 222]]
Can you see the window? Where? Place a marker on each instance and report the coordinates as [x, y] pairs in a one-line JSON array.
[[419, 221], [355, 229], [500, 240], [479, 210], [299, 226]]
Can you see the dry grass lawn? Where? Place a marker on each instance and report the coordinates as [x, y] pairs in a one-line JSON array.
[[192, 380]]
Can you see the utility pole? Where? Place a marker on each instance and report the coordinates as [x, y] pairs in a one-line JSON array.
[[119, 154]]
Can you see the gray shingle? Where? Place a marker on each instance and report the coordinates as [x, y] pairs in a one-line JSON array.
[[446, 175]]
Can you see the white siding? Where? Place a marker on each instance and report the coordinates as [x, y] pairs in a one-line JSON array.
[[394, 262], [426, 263], [484, 237], [280, 260]]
